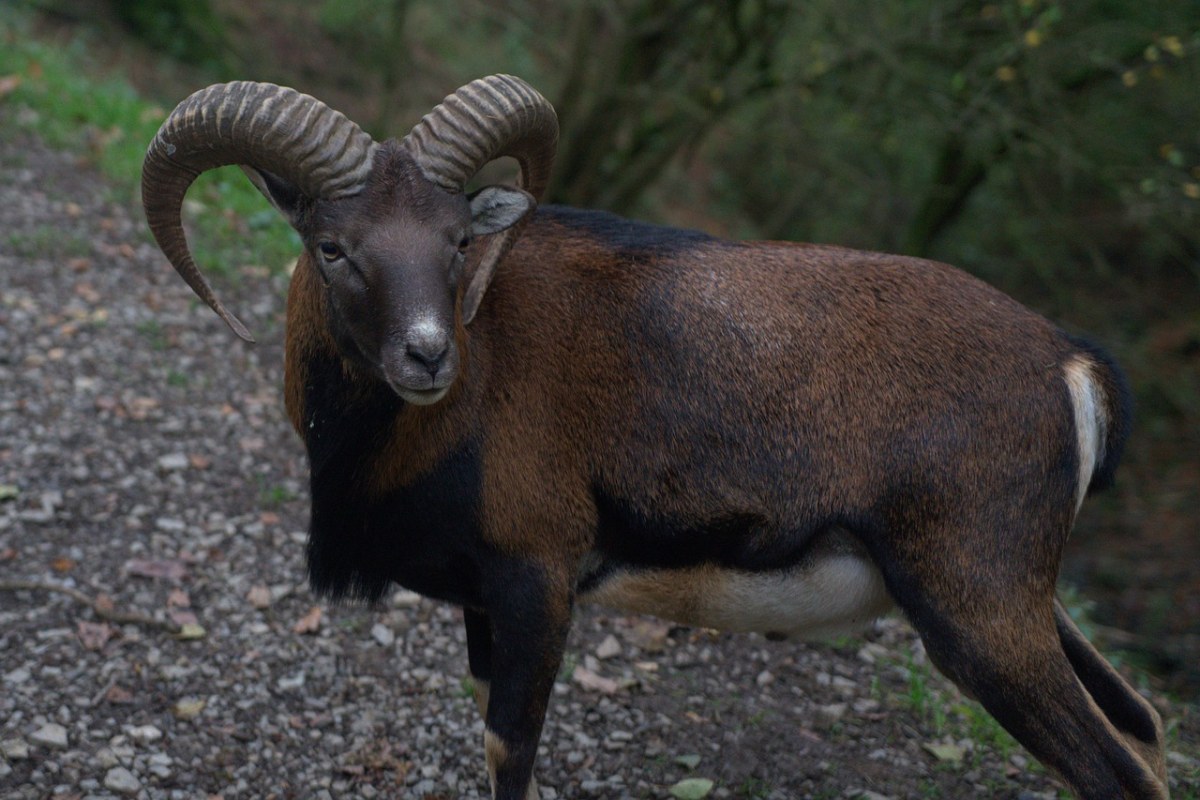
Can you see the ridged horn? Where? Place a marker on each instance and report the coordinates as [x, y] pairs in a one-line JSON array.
[[499, 115], [271, 128]]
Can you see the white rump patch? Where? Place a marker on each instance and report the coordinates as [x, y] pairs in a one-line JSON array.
[[1091, 421]]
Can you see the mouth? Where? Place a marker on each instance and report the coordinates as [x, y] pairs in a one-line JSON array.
[[420, 397]]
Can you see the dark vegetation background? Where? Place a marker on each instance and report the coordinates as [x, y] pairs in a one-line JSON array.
[[1050, 147]]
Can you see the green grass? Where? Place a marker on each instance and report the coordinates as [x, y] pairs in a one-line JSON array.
[[754, 789], [274, 495], [154, 334], [47, 241], [62, 100]]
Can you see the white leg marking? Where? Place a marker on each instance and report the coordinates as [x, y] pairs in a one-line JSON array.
[[482, 689], [496, 753]]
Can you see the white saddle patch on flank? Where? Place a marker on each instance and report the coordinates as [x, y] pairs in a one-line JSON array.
[[830, 595]]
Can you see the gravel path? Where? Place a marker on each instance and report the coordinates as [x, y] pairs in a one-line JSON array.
[[146, 463]]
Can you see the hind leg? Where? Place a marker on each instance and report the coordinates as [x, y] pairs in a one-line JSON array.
[[1016, 667], [989, 622], [1129, 713]]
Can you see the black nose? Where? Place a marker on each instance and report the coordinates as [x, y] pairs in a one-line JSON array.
[[429, 353]]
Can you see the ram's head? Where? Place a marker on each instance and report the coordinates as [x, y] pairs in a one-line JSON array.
[[387, 225]]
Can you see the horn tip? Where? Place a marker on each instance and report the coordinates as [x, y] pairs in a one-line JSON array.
[[236, 326]]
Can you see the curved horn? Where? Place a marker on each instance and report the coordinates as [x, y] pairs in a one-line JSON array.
[[496, 116], [271, 128]]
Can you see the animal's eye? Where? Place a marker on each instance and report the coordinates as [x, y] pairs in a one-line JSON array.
[[463, 244], [330, 251]]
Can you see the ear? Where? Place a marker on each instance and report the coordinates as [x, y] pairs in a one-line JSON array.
[[286, 198], [494, 208]]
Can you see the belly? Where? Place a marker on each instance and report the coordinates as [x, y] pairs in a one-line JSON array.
[[823, 596]]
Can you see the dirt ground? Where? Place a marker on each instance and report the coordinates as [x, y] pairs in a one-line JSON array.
[[147, 467]]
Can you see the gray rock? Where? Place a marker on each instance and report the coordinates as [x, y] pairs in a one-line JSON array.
[[122, 781], [145, 734], [51, 735], [383, 634], [14, 749]]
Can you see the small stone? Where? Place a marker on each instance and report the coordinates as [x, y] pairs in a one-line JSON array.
[[17, 676], [145, 733], [289, 683], [405, 599], [765, 678], [51, 735], [14, 749], [383, 634], [122, 781], [871, 653], [832, 712], [173, 462], [609, 648]]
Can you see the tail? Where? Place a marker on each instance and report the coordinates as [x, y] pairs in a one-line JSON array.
[[1103, 407]]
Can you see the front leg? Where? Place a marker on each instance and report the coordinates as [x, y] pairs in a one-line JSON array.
[[529, 610], [479, 655]]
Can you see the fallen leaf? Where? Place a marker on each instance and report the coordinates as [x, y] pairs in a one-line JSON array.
[[93, 636], [310, 622], [141, 407], [8, 492], [188, 708], [191, 632], [692, 789], [251, 444], [649, 635], [690, 760], [945, 752], [8, 554], [62, 564], [87, 292], [8, 85], [118, 695], [259, 596], [156, 568], [104, 604], [183, 617], [609, 648], [593, 682], [179, 598], [199, 461]]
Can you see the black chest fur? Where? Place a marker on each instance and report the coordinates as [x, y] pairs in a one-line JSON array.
[[424, 536]]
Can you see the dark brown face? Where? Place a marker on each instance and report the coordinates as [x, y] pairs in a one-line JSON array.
[[391, 260]]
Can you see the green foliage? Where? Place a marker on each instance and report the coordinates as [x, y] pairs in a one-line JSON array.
[[1054, 133], [188, 30], [60, 98]]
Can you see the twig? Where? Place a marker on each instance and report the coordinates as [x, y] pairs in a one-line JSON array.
[[100, 695], [101, 610]]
